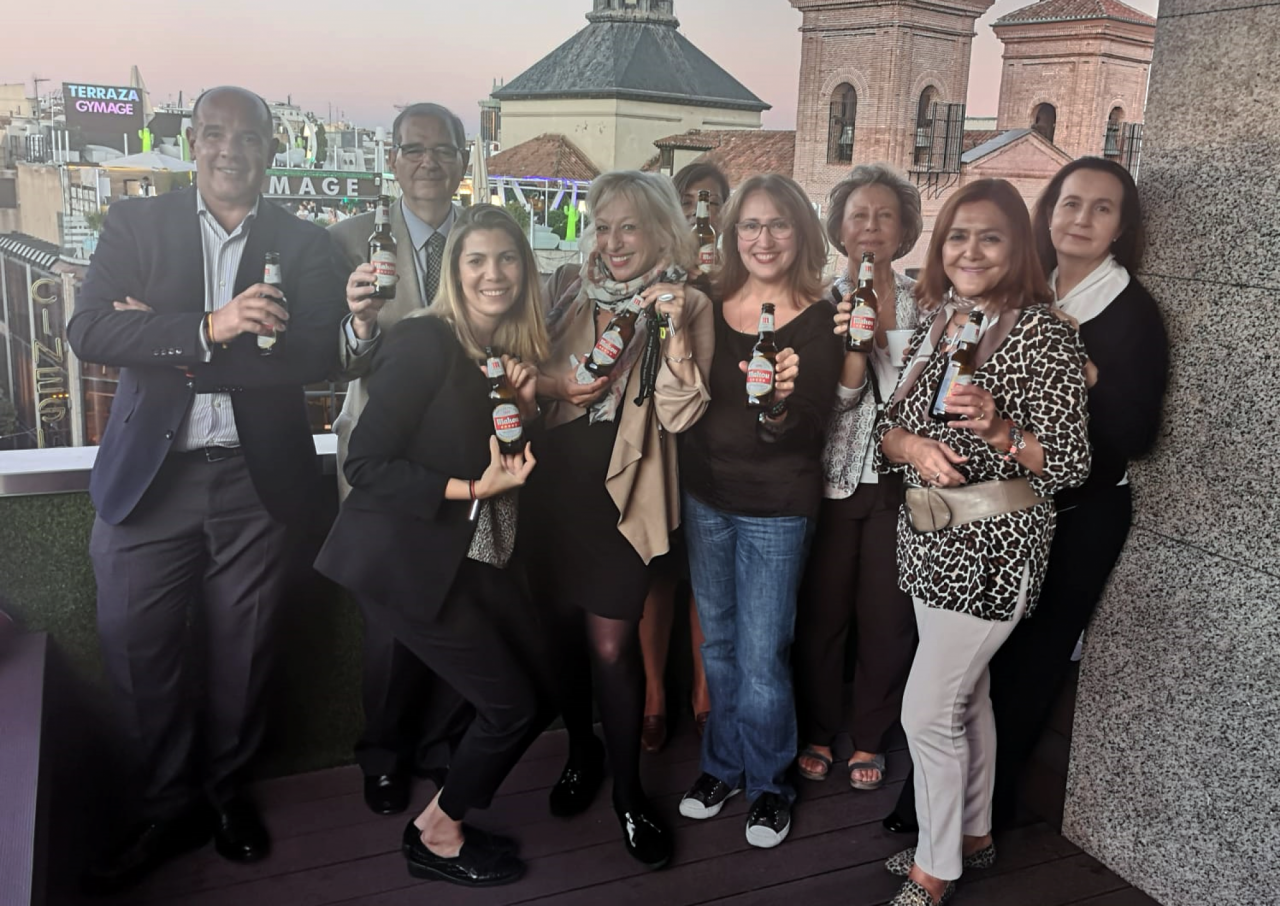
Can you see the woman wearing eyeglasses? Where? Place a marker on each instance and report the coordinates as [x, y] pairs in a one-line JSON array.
[[752, 485]]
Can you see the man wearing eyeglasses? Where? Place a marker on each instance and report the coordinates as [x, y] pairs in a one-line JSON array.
[[410, 715]]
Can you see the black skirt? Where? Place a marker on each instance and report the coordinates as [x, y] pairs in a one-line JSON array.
[[569, 535]]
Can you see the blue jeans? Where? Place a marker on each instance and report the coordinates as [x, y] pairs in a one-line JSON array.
[[746, 571]]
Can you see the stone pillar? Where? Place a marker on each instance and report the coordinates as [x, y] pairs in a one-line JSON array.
[[1175, 763]]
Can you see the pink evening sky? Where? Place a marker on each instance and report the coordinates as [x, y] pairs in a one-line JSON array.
[[365, 58]]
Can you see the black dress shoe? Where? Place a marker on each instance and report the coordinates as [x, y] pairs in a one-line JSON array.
[[240, 835], [645, 836], [579, 782], [895, 823], [386, 794], [476, 865], [145, 848], [492, 841]]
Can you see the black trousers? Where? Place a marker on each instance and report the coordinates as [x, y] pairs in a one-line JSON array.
[[200, 550], [850, 588], [485, 643], [413, 720], [1027, 674]]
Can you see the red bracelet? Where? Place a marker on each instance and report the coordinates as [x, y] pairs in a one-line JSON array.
[[473, 489]]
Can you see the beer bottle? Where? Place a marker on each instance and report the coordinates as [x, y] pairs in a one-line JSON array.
[[862, 320], [705, 235], [506, 414], [274, 344], [959, 370], [382, 251], [617, 334], [763, 366]]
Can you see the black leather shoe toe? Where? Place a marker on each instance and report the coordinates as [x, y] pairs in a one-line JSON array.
[[578, 783], [646, 837], [477, 865], [386, 794], [145, 848], [897, 824], [497, 842], [240, 835]]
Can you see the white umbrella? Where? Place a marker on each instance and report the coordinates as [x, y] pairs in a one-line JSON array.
[[150, 160], [479, 174]]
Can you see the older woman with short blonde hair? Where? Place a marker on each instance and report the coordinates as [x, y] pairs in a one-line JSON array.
[[851, 582], [631, 346]]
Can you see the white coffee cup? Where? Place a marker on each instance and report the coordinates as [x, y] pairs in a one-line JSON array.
[[898, 340]]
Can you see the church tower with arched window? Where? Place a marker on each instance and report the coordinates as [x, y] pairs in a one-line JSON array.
[[1076, 72], [875, 78]]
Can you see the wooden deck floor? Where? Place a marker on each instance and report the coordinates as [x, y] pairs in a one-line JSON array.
[[330, 850]]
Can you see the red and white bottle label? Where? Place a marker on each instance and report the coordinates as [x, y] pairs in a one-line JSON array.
[[608, 348], [506, 423], [271, 274], [493, 367], [759, 376], [707, 259], [862, 323], [866, 272], [384, 267], [766, 321]]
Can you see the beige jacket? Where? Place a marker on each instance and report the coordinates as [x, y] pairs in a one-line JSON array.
[[352, 238], [643, 477]]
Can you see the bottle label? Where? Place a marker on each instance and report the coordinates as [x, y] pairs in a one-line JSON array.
[[759, 376], [866, 272], [381, 217], [506, 422], [271, 274], [970, 332], [266, 342], [608, 348], [766, 322], [493, 368], [951, 379], [384, 267], [707, 258], [703, 212], [862, 323]]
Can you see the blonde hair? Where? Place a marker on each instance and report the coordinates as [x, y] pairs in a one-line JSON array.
[[806, 281], [657, 209], [521, 332]]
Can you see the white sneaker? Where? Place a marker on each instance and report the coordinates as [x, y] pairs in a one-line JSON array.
[[769, 821]]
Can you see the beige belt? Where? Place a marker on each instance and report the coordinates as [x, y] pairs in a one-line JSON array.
[[933, 509]]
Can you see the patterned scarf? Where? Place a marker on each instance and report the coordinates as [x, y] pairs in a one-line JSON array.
[[599, 288]]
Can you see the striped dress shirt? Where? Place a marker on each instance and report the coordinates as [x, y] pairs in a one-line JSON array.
[[211, 422]]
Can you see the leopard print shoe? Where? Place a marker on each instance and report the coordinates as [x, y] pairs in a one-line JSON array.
[[912, 894], [900, 864]]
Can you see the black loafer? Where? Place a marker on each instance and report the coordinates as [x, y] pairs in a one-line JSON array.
[[386, 794], [645, 836], [496, 842], [145, 848], [475, 865], [239, 835], [578, 783], [895, 823]]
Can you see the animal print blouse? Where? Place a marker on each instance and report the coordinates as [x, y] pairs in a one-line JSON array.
[[1036, 376]]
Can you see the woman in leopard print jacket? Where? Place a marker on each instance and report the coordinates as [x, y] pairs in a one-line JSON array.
[[1024, 420]]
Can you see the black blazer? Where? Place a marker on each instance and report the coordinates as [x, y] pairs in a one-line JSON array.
[[397, 541], [151, 249]]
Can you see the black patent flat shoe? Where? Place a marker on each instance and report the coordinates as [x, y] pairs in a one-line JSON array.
[[578, 784], [476, 865], [647, 839]]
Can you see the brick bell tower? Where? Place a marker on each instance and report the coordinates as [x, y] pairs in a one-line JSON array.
[[870, 74]]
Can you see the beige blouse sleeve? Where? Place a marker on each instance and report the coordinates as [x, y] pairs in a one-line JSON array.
[[680, 405]]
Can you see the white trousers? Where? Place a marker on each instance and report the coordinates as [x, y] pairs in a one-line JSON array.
[[951, 730]]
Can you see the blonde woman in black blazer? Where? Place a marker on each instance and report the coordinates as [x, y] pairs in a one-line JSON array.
[[424, 537]]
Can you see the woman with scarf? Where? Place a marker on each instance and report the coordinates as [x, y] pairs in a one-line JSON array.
[[981, 461], [1089, 236], [605, 498]]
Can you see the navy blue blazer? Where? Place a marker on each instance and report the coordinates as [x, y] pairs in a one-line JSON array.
[[151, 249]]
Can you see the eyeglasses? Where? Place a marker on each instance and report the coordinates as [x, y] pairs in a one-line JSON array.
[[778, 229], [442, 154]]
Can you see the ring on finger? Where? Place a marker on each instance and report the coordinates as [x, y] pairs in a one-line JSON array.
[[666, 297]]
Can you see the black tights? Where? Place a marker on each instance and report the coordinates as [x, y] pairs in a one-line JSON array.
[[610, 663]]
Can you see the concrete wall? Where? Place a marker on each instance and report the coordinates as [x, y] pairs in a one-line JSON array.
[[615, 134], [14, 101], [40, 201], [1176, 751]]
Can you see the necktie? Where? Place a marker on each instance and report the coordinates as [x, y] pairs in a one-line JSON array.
[[435, 261]]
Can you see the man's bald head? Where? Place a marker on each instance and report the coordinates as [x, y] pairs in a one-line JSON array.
[[234, 93]]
